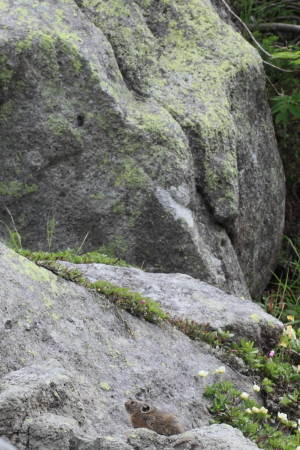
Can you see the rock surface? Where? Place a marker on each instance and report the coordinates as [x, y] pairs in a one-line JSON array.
[[217, 437], [69, 360], [145, 123], [5, 445], [183, 296]]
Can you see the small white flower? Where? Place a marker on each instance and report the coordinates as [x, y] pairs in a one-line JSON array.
[[256, 388], [294, 425], [255, 410], [203, 373], [244, 395], [299, 422], [263, 410], [248, 410], [298, 448], [282, 417], [290, 332], [221, 369]]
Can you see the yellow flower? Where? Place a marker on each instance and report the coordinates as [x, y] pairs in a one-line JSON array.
[[283, 344], [244, 395], [203, 373], [291, 318], [255, 410], [290, 332], [263, 410], [221, 369], [248, 410]]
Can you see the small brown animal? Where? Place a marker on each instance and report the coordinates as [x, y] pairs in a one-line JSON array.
[[143, 415]]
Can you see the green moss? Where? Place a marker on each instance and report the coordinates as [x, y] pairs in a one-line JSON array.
[[99, 196], [5, 74], [47, 301], [17, 189], [3, 5], [119, 208], [256, 318], [133, 217], [199, 55], [67, 45], [130, 175], [29, 269], [26, 44], [109, 249], [6, 110], [60, 125], [48, 46], [104, 162], [12, 188], [31, 188], [105, 386], [23, 17], [72, 256], [211, 178]]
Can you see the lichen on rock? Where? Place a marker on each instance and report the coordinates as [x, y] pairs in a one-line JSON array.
[[109, 111]]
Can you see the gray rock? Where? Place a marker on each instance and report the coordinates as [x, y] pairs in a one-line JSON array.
[[146, 125], [217, 437], [27, 393], [69, 360], [183, 296], [5, 445]]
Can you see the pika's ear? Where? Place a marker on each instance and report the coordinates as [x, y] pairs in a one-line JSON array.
[[145, 408]]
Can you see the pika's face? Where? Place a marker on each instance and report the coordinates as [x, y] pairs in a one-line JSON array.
[[133, 406]]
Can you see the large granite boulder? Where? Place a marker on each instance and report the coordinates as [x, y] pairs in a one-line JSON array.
[[69, 359], [146, 124]]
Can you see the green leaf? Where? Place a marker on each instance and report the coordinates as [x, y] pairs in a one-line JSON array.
[[296, 96], [295, 110], [288, 55], [277, 108], [285, 119], [279, 117], [280, 98]]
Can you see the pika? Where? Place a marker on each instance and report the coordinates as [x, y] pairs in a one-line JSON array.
[[143, 415]]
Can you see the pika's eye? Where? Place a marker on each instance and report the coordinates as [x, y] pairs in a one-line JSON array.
[[145, 408]]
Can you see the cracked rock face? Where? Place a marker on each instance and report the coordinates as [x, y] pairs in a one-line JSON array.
[[145, 124], [69, 360]]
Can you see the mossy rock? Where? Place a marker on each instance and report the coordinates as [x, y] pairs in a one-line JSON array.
[[146, 124]]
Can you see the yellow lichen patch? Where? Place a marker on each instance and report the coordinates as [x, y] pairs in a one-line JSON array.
[[47, 301], [26, 267], [3, 5], [256, 318]]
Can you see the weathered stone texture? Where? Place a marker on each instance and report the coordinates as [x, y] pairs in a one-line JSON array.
[[185, 297], [145, 123], [69, 360]]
